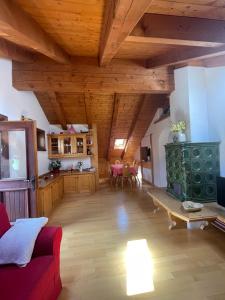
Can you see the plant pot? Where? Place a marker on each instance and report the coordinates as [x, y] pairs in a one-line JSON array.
[[55, 171], [181, 137]]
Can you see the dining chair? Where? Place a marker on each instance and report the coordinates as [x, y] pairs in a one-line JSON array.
[[126, 176], [133, 163], [135, 175], [110, 174]]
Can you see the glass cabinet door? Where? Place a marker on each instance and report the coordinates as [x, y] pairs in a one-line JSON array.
[[67, 145], [55, 146], [80, 142]]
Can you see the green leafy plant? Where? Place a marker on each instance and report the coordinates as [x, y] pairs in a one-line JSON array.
[[179, 126], [55, 165], [80, 164]]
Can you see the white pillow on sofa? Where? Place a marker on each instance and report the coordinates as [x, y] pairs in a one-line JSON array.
[[17, 244]]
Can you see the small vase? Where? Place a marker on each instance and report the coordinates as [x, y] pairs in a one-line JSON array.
[[181, 137]]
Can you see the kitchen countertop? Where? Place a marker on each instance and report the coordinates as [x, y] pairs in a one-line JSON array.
[[42, 182]]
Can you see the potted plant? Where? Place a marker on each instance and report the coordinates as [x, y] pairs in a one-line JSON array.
[[54, 166], [179, 131], [80, 166]]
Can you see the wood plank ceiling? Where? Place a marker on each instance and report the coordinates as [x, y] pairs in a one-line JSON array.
[[106, 61]]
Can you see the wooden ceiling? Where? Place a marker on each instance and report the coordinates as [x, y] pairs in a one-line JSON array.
[[74, 25], [106, 61]]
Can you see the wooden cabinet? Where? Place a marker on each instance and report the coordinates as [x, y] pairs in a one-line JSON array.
[[49, 196], [70, 184], [67, 145], [76, 145], [45, 204], [81, 183], [80, 144], [54, 146]]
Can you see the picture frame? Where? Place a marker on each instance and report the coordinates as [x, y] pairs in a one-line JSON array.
[[41, 144]]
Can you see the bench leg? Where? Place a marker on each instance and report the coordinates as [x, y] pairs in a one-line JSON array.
[[156, 207], [204, 225], [172, 223], [156, 210]]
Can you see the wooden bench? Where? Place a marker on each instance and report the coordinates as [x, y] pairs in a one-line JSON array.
[[209, 213]]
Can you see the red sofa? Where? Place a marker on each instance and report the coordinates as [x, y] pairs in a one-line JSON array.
[[40, 279]]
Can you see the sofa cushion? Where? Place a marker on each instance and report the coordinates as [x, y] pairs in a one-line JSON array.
[[17, 244], [4, 220], [34, 282]]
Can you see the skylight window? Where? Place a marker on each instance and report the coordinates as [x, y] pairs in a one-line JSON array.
[[119, 143]]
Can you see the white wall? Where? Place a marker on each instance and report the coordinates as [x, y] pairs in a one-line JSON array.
[[198, 108], [179, 99], [215, 78], [13, 104], [160, 136]]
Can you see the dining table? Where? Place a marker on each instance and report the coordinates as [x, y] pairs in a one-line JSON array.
[[117, 170]]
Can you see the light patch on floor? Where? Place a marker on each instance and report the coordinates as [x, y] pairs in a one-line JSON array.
[[139, 267]]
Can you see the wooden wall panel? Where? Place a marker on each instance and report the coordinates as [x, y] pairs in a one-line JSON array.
[[74, 107], [99, 111], [16, 203], [46, 105]]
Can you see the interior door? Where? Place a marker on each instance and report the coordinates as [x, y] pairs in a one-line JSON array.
[[18, 168]]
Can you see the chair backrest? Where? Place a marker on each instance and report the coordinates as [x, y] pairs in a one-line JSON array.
[[133, 163], [4, 220], [126, 170]]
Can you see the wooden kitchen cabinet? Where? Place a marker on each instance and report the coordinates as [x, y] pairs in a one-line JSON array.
[[67, 145], [51, 193], [86, 184], [81, 183], [49, 196], [80, 144], [70, 183], [45, 201]]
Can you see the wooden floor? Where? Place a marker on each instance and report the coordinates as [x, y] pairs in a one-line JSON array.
[[187, 264]]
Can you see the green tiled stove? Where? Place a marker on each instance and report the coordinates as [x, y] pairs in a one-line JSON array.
[[192, 169]]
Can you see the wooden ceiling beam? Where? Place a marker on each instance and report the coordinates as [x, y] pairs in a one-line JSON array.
[[177, 57], [84, 75], [185, 8], [58, 109], [19, 28], [12, 51], [113, 123], [120, 19], [179, 31]]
